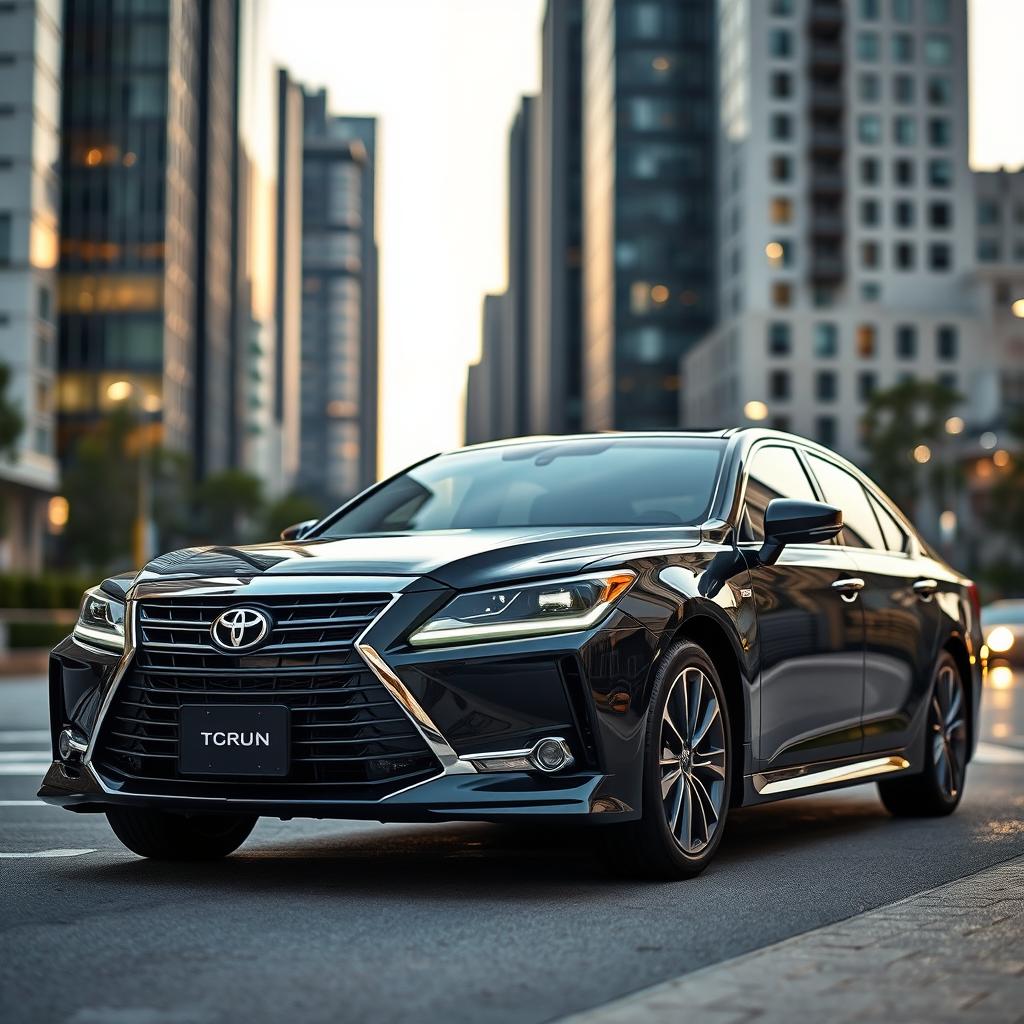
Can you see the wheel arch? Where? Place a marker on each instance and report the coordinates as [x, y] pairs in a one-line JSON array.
[[957, 648]]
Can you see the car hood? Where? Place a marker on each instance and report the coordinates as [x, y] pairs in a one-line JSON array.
[[456, 558]]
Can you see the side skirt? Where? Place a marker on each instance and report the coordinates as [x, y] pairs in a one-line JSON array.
[[763, 787]]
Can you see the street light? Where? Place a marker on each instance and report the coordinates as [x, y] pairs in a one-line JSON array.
[[954, 425], [755, 410], [142, 533]]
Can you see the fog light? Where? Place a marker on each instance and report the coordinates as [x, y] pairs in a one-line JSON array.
[[551, 755], [70, 747]]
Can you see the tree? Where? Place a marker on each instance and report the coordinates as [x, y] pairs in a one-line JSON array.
[[896, 422], [1004, 514], [288, 510], [229, 505]]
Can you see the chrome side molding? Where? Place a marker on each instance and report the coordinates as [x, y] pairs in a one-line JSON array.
[[786, 780]]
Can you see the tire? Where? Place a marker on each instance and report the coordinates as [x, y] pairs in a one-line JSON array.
[[939, 788], [680, 826], [164, 836]]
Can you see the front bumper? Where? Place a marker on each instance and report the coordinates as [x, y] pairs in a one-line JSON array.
[[590, 688]]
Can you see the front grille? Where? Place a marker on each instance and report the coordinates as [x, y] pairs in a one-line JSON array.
[[350, 740]]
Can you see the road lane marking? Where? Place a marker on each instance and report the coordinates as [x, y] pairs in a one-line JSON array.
[[9, 736], [24, 755], [996, 753], [25, 803], [44, 854], [31, 768]]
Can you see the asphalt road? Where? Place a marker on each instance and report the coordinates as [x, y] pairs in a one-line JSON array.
[[330, 921]]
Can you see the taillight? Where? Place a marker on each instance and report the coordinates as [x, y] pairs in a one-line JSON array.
[[975, 597]]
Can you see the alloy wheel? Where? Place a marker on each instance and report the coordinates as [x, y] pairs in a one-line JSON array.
[[949, 732], [692, 760]]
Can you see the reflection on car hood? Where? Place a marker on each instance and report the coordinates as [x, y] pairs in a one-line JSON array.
[[458, 558]]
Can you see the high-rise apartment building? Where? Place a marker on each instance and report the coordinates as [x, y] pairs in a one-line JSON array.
[[30, 89], [484, 379], [338, 434], [648, 292], [846, 247], [148, 221]]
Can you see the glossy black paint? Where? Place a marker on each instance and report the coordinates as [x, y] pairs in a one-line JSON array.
[[810, 676]]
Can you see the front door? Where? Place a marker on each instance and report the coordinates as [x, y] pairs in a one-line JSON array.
[[810, 628]]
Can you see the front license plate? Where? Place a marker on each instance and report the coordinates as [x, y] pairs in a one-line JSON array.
[[223, 739]]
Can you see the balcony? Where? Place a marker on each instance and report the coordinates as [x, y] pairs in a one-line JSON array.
[[826, 224], [825, 15], [826, 180], [825, 55], [826, 140], [826, 268], [825, 98]]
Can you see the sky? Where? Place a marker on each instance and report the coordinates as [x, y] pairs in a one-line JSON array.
[[444, 78]]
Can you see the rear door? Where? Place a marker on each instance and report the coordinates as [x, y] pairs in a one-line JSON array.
[[901, 619], [810, 635]]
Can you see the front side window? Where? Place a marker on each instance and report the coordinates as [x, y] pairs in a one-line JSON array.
[[860, 528], [892, 531], [775, 472], [578, 482]]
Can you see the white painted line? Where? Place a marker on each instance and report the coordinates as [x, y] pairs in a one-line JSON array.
[[37, 768], [25, 803], [24, 736], [996, 753], [24, 755], [44, 853]]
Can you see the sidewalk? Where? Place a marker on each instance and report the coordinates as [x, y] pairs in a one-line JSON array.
[[955, 953]]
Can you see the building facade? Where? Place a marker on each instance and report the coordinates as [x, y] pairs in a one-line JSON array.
[[339, 364], [30, 91], [846, 257], [148, 222], [484, 380], [648, 290]]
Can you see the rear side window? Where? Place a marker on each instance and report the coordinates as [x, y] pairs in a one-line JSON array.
[[860, 527], [775, 472], [894, 534]]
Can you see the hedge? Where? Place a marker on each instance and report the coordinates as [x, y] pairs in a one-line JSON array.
[[49, 590]]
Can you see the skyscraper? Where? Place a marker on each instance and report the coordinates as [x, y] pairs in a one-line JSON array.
[[338, 435], [649, 96], [847, 250], [148, 234], [30, 79]]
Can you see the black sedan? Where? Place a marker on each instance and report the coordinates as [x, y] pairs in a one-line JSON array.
[[632, 631]]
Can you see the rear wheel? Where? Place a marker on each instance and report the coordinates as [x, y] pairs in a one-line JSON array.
[[939, 788], [164, 836], [687, 771]]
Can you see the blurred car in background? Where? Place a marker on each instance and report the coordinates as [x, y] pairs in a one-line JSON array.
[[1002, 624]]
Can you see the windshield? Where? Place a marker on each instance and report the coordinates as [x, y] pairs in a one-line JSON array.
[[579, 482]]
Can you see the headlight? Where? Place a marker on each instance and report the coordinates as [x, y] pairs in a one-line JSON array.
[[1000, 639], [101, 620], [535, 609]]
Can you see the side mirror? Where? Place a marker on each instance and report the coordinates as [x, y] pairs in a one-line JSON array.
[[298, 530], [791, 521]]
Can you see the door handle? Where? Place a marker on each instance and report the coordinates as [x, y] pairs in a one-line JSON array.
[[849, 588], [925, 588]]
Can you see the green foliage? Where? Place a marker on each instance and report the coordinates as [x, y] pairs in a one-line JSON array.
[[1004, 516], [52, 590], [229, 505], [36, 634], [289, 510], [898, 419]]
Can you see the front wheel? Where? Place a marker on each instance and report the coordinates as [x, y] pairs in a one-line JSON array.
[[687, 772], [940, 787], [164, 836]]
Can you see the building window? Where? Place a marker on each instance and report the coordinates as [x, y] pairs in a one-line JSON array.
[[867, 383], [988, 211], [782, 294], [940, 215], [940, 256], [781, 168], [946, 342], [940, 173], [870, 291], [782, 7], [826, 340], [903, 172], [906, 341], [903, 213], [903, 48], [782, 126], [782, 85], [780, 42], [936, 12], [869, 171], [44, 306], [866, 334], [781, 210], [869, 212], [825, 385], [823, 298], [779, 339], [780, 423], [939, 91], [868, 87], [867, 46], [5, 239], [940, 132], [825, 430], [903, 11], [989, 250], [938, 50], [778, 385], [903, 256], [869, 128], [904, 130], [869, 9], [903, 89], [869, 255]]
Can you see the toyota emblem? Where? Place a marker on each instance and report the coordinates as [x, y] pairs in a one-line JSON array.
[[239, 629]]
